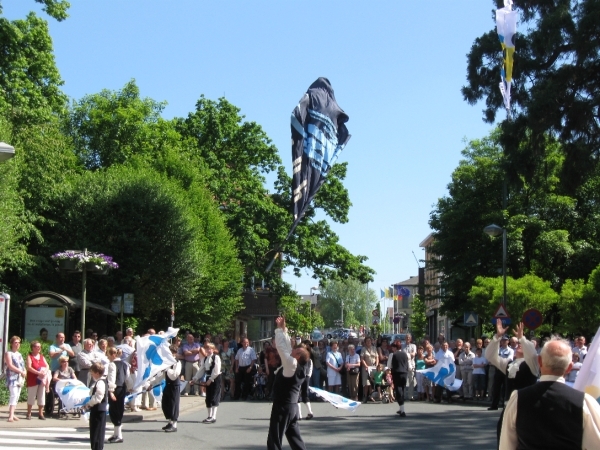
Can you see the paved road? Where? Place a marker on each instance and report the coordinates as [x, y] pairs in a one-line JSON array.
[[243, 425]]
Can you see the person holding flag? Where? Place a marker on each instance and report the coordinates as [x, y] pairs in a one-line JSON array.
[[289, 379]]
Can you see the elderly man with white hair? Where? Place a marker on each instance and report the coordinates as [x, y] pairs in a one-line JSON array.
[[550, 414]]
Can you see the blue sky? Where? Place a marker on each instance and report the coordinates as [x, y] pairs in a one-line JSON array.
[[397, 68]]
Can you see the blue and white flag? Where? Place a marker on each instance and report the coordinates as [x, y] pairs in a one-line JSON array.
[[72, 393], [153, 356], [443, 373], [588, 378], [336, 400]]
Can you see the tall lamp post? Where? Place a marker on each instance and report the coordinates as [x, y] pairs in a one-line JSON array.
[[495, 231], [312, 289]]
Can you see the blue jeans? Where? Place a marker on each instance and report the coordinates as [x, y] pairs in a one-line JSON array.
[[315, 381]]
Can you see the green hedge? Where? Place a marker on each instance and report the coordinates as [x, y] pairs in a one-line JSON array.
[[24, 350]]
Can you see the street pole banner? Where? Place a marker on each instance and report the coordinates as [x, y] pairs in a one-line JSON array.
[[336, 400]]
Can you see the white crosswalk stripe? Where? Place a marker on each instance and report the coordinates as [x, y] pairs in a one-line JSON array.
[[52, 438]]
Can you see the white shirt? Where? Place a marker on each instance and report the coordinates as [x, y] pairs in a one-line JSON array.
[[530, 356], [284, 348], [591, 420], [205, 367], [245, 357]]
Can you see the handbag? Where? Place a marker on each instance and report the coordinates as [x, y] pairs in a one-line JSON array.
[[354, 371]]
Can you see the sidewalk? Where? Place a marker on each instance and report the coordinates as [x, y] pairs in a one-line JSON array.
[[190, 403]]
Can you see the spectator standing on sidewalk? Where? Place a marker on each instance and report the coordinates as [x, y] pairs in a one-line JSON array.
[[15, 375], [245, 361], [191, 351], [77, 347], [411, 351]]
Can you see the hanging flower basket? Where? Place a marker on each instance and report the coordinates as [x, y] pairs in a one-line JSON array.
[[69, 265], [96, 263]]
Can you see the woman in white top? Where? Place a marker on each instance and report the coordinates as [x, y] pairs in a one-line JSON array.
[[211, 365], [15, 375], [334, 363]]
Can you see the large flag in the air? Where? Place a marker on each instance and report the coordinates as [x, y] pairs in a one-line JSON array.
[[336, 400], [153, 356], [506, 26], [72, 393], [443, 373], [588, 378], [319, 134]]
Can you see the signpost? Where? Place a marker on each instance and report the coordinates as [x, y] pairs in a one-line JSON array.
[[4, 310], [532, 318], [502, 314], [471, 319]]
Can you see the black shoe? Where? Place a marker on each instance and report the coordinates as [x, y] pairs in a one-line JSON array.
[[211, 420], [402, 414], [493, 408], [116, 441], [398, 412], [310, 416], [167, 426], [171, 430], [207, 420]]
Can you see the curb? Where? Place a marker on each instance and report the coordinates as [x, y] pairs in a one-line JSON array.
[[187, 404]]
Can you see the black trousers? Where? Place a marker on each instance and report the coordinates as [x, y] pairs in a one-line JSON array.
[[117, 408], [97, 428], [284, 421], [170, 401], [50, 398], [400, 379], [213, 393], [498, 388], [242, 376]]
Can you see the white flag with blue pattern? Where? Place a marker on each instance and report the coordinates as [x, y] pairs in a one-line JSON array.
[[336, 400], [153, 356], [73, 393]]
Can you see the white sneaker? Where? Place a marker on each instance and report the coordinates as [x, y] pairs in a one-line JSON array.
[[202, 394]]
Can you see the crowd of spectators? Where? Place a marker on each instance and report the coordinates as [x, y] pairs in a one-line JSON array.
[[354, 367]]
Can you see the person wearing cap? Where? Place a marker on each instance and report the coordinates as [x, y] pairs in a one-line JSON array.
[[504, 352], [522, 371]]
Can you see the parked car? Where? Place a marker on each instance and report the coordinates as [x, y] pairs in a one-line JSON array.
[[392, 337], [342, 333], [316, 335]]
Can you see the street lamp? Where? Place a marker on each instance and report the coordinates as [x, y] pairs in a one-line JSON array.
[[6, 151], [495, 231]]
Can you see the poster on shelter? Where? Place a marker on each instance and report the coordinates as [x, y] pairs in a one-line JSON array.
[[52, 319]]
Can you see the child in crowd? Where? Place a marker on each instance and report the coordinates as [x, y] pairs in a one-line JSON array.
[[572, 375], [260, 381], [390, 384], [378, 378], [479, 377]]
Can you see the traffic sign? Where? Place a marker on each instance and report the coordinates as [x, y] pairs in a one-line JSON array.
[[502, 314], [471, 319], [376, 312], [532, 318]]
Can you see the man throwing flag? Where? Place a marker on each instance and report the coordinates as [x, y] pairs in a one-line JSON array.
[[288, 380]]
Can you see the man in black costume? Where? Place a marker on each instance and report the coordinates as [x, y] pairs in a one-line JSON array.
[[288, 380]]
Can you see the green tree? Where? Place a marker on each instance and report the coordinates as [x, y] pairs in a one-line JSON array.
[[524, 293], [550, 234], [29, 79], [350, 295], [171, 244], [418, 319], [580, 306], [554, 90]]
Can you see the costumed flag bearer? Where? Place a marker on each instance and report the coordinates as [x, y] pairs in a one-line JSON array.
[[289, 379], [118, 371], [97, 405], [211, 365], [171, 394]]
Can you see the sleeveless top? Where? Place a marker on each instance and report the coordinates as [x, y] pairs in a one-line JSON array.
[[121, 373], [37, 364], [553, 407], [17, 360], [524, 378], [287, 389], [102, 406]]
